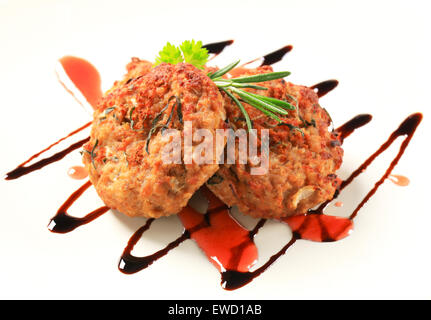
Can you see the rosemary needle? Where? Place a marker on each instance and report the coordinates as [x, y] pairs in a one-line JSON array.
[[271, 107]]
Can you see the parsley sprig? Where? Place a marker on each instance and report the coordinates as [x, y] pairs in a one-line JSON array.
[[189, 52]]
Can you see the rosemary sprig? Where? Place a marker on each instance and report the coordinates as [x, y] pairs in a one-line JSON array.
[[292, 127], [280, 103], [223, 71], [92, 154], [230, 83], [109, 110], [194, 53], [132, 122], [258, 102], [155, 123], [233, 87], [241, 107]]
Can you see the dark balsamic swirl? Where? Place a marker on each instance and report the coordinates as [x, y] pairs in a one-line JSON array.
[[276, 55], [62, 222], [322, 88], [217, 47]]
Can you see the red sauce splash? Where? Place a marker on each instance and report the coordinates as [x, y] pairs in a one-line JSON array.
[[399, 180], [84, 76], [226, 244], [319, 227], [77, 172], [338, 204]]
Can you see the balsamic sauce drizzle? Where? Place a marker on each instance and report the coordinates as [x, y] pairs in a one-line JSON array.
[[407, 128], [62, 222], [314, 225], [204, 229], [23, 170], [272, 57], [275, 56], [232, 279], [217, 47], [327, 231], [356, 122], [324, 87], [129, 263]]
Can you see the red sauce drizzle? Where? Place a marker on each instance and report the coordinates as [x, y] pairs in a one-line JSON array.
[[84, 76], [226, 243]]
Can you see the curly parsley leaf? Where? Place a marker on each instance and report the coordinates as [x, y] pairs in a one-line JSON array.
[[194, 53], [169, 54], [189, 51]]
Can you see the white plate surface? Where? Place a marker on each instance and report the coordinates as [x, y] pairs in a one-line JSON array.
[[379, 51]]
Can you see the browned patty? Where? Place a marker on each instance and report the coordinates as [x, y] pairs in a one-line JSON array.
[[125, 176], [302, 164], [135, 68]]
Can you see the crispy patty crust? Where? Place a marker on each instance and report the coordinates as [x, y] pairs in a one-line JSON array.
[[125, 175], [302, 163]]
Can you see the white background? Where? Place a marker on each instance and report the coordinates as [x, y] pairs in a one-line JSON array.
[[378, 50]]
